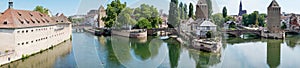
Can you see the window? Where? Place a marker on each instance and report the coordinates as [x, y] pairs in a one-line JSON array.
[[61, 21], [26, 42], [31, 30], [26, 31], [23, 43], [5, 22], [31, 41], [41, 15], [22, 31], [22, 22], [56, 21], [18, 43], [18, 31], [30, 14], [19, 14]]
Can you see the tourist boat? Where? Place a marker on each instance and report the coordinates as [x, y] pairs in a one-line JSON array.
[[24, 32], [206, 45]]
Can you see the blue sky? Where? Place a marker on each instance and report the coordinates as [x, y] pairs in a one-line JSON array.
[[72, 7]]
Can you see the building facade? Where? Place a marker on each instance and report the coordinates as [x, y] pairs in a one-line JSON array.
[[24, 32]]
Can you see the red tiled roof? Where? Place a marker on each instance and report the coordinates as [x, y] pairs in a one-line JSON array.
[[60, 18], [12, 18]]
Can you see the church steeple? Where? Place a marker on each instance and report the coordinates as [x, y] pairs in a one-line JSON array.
[[10, 4], [241, 11], [241, 6]]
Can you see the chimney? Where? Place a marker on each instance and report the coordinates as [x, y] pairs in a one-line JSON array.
[[10, 4]]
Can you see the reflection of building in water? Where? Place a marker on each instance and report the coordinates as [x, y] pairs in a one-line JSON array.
[[273, 53], [45, 59]]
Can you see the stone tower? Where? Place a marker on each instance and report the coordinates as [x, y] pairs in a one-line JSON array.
[[273, 24], [202, 10]]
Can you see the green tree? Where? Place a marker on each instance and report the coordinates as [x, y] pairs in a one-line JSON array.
[[155, 21], [229, 18], [209, 5], [283, 26], [124, 18], [232, 25], [112, 11], [145, 11], [185, 11], [41, 9], [191, 10], [148, 12], [181, 10], [224, 12], [144, 23], [218, 19], [173, 13]]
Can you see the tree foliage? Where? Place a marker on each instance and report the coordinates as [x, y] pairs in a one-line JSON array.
[[112, 11], [181, 10], [254, 19], [124, 18], [173, 13], [150, 13], [41, 9], [218, 19], [191, 10], [144, 23], [185, 11], [209, 5], [283, 26], [145, 11], [224, 12]]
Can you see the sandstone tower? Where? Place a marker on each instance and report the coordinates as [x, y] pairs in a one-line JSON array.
[[202, 10], [273, 24]]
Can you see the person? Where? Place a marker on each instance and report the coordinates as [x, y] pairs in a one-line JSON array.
[[8, 58]]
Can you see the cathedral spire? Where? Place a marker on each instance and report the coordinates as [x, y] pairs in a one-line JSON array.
[[10, 4]]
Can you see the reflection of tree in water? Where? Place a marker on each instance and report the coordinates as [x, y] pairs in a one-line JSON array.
[[112, 61], [174, 52], [204, 59], [142, 50], [292, 41], [273, 53]]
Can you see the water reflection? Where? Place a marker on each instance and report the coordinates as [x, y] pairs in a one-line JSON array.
[[174, 52], [48, 59], [273, 53], [130, 52]]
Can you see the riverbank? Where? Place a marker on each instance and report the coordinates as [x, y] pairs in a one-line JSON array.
[[15, 58]]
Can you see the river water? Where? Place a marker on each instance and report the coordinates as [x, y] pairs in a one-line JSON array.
[[88, 51]]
